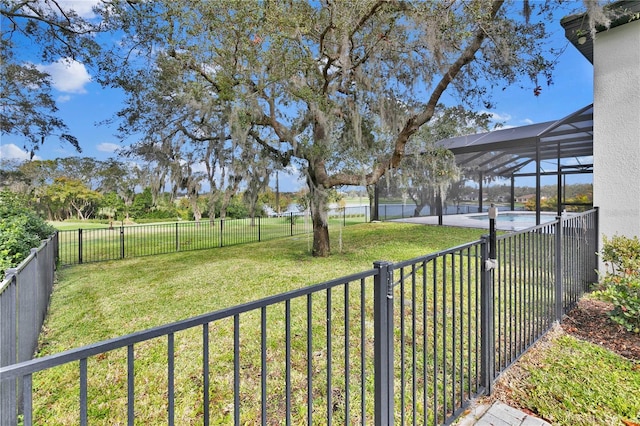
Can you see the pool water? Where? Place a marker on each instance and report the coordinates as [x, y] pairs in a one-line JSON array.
[[516, 217]]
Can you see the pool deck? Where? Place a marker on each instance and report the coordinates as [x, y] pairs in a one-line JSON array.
[[468, 221], [498, 414]]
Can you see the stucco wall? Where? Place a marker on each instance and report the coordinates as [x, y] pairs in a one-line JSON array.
[[616, 141]]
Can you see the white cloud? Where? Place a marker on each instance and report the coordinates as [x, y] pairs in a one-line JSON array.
[[84, 8], [199, 168], [497, 116], [10, 151], [527, 121], [107, 147], [67, 75], [63, 98]]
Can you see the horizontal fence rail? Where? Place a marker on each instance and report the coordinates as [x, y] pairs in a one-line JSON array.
[[407, 343], [126, 241]]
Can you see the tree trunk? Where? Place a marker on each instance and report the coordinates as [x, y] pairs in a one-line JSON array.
[[318, 205], [372, 192], [252, 210], [226, 199], [197, 214], [321, 246], [211, 205], [78, 210]]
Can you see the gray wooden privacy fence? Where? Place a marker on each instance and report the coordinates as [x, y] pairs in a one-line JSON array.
[[408, 343]]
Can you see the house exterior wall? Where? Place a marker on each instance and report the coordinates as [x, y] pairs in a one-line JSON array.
[[616, 141]]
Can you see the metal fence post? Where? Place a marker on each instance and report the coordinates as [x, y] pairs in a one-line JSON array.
[[177, 238], [487, 353], [559, 299], [259, 229], [383, 343], [80, 246], [122, 242], [596, 242], [221, 232], [57, 246], [291, 222]]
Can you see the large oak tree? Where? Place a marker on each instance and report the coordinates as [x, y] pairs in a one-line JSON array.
[[337, 88]]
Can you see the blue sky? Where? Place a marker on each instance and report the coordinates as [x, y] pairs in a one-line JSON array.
[[83, 103]]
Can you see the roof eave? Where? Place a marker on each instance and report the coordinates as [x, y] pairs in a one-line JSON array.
[[576, 27]]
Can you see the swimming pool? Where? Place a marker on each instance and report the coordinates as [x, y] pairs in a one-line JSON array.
[[506, 221], [516, 217]]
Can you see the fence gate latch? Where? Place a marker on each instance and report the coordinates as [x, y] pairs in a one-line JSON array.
[[390, 285], [490, 264]]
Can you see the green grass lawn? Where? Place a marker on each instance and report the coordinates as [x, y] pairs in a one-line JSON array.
[[109, 299], [572, 382], [103, 300], [68, 225]]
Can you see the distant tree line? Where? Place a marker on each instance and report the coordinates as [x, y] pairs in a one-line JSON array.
[[85, 188], [495, 192]]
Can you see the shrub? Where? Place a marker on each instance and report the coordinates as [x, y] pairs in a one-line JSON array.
[[20, 230], [620, 285]]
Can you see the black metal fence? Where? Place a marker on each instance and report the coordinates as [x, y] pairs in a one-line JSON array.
[[24, 298], [410, 342], [541, 274], [119, 242]]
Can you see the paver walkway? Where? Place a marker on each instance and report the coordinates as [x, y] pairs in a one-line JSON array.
[[499, 414]]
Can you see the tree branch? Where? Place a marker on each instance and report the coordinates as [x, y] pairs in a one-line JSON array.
[[45, 20], [416, 121], [198, 70], [283, 158]]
